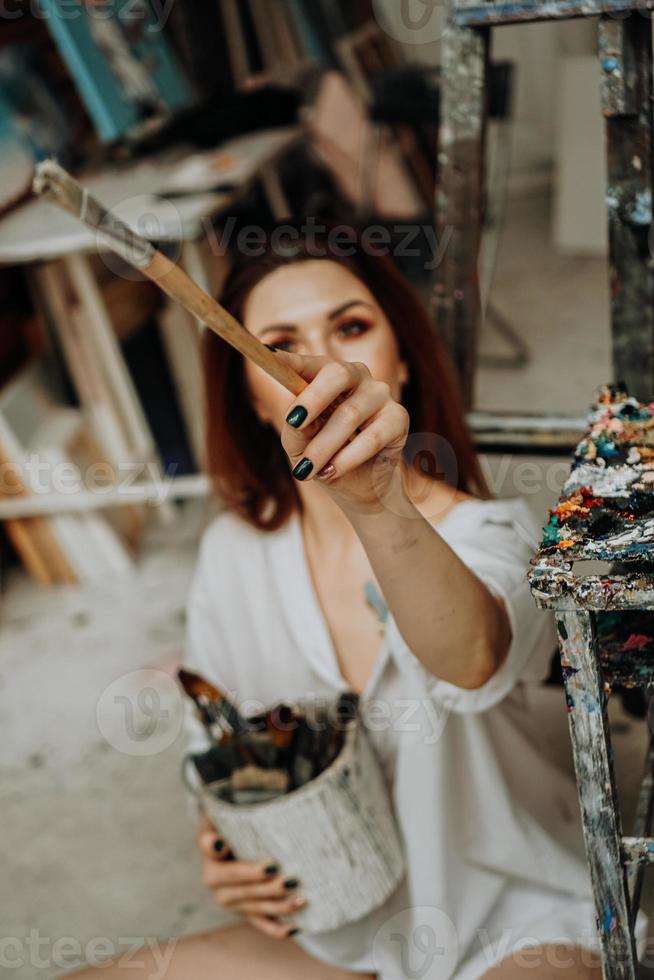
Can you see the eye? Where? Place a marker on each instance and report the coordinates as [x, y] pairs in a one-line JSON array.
[[283, 343], [353, 328]]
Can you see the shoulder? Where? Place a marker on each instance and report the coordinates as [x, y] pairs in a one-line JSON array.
[[230, 550], [226, 546], [227, 530], [473, 515], [493, 534]]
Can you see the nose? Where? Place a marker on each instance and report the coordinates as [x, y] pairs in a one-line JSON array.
[[318, 350], [316, 344]]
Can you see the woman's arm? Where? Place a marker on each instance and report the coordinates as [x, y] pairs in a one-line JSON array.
[[446, 615]]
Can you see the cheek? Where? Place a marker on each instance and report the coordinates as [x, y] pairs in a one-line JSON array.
[[384, 364], [271, 400]]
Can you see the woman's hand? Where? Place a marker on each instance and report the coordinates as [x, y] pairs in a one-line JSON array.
[[254, 890], [355, 448]]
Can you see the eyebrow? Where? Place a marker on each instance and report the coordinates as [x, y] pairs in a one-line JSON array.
[[332, 315], [345, 306]]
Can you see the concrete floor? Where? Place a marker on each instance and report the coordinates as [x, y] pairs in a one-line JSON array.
[[96, 843]]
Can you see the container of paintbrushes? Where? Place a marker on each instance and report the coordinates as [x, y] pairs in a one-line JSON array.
[[302, 787]]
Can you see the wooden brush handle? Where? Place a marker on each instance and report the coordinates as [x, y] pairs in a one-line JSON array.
[[56, 185], [172, 279]]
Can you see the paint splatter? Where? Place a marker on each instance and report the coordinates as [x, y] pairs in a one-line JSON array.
[[636, 642], [606, 510], [626, 646]]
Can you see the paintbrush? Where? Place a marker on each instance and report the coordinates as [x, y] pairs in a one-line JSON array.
[[252, 742], [214, 707], [217, 763], [57, 186]]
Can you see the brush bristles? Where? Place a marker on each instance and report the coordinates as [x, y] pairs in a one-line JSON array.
[[49, 179], [196, 686]]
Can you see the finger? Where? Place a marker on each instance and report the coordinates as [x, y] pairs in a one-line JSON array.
[[219, 874], [212, 845], [276, 888], [269, 907], [385, 434], [277, 930], [333, 379], [306, 365], [205, 824], [353, 414]]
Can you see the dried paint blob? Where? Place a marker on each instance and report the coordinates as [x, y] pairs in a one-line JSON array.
[[607, 507]]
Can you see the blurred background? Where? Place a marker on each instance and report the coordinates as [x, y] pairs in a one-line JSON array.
[[196, 122]]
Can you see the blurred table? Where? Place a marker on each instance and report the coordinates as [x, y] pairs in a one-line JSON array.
[[58, 251]]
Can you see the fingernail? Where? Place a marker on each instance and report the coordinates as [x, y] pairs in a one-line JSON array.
[[294, 932], [297, 416], [291, 883], [326, 472], [219, 845], [303, 469], [272, 869], [298, 902]]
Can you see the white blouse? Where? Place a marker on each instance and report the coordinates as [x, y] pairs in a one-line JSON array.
[[491, 831]]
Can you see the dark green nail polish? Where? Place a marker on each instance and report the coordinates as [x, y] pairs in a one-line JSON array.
[[272, 869], [303, 469], [219, 845], [297, 416], [291, 883], [294, 932]]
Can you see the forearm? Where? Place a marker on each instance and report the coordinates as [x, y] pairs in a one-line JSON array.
[[446, 615]]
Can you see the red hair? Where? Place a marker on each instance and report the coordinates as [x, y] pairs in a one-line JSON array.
[[245, 459]]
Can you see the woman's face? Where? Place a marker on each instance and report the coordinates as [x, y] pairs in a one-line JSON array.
[[318, 307]]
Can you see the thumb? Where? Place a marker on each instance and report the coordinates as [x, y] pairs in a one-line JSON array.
[[306, 365]]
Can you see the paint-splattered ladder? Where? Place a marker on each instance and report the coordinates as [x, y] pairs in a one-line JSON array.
[[625, 51], [606, 637]]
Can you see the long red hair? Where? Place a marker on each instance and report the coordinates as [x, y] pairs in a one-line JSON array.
[[245, 459]]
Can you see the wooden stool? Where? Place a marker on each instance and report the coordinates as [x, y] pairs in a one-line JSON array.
[[606, 636]]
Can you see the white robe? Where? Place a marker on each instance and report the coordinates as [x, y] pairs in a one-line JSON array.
[[491, 828]]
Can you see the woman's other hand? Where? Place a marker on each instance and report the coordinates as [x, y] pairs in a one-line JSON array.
[[257, 891]]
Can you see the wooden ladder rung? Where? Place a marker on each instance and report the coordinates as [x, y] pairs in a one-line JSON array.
[[639, 846], [527, 432], [491, 14]]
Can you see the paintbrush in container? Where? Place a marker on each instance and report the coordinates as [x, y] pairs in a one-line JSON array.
[[240, 742], [214, 708]]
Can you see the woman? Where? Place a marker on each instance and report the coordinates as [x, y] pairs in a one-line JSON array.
[[321, 513]]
